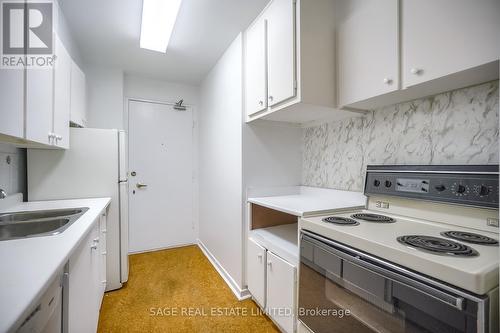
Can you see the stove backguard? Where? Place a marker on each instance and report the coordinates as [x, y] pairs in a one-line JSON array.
[[469, 185]]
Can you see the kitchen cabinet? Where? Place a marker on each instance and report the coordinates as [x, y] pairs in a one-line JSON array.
[[443, 37], [393, 51], [85, 285], [103, 253], [256, 267], [12, 105], [255, 67], [62, 95], [39, 105], [281, 279], [290, 61], [35, 103], [368, 44], [78, 114], [280, 18]]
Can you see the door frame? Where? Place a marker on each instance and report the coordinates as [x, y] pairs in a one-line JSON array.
[[194, 172]]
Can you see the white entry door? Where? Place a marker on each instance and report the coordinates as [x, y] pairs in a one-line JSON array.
[[161, 176]]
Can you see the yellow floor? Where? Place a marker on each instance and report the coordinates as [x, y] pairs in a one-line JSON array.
[[178, 290]]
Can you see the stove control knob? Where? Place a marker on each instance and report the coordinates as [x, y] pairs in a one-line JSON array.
[[388, 183], [483, 190], [376, 183], [461, 189], [440, 188]]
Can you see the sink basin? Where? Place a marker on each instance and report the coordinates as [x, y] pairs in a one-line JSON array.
[[38, 214], [29, 228], [37, 223]]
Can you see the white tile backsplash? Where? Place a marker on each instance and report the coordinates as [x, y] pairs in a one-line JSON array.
[[458, 127]]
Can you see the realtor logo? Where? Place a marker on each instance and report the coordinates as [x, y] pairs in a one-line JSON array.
[[27, 34]]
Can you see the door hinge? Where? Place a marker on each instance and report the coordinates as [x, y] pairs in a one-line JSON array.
[[295, 84]]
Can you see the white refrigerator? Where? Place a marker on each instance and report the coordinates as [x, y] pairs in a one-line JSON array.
[[94, 166]]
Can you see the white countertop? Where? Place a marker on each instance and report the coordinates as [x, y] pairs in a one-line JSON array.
[[28, 265], [308, 201]]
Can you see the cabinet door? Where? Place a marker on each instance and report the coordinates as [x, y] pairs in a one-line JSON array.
[[368, 50], [62, 94], [280, 17], [103, 255], [78, 113], [83, 312], [39, 104], [281, 283], [12, 102], [256, 268], [447, 36], [255, 67]]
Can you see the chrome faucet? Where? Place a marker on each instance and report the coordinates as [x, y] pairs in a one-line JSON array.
[[3, 194]]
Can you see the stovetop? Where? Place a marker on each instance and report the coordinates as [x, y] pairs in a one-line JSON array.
[[464, 257]]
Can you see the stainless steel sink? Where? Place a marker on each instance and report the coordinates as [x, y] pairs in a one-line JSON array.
[[38, 214], [37, 223]]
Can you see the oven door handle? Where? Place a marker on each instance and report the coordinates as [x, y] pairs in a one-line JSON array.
[[388, 270]]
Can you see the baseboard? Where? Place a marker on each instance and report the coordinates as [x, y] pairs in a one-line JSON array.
[[162, 248], [240, 294]]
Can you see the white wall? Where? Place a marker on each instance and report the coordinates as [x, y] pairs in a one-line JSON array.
[[233, 156], [13, 174], [156, 90], [104, 97], [272, 154], [220, 160]]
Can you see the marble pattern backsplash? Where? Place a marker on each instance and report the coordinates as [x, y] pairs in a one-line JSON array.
[[457, 127]]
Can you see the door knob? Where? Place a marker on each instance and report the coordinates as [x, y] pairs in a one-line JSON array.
[[141, 185]]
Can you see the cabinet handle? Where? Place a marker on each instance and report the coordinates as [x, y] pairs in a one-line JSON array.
[[387, 80], [104, 231], [271, 98], [94, 247], [270, 264], [96, 240], [259, 256], [58, 137], [416, 71], [261, 103]]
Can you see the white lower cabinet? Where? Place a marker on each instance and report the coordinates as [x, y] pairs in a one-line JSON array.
[[272, 283], [281, 283], [257, 272], [85, 282]]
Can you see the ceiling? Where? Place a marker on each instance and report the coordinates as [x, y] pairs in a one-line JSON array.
[[107, 33]]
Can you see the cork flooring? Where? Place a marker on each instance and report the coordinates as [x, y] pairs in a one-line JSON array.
[[178, 290]]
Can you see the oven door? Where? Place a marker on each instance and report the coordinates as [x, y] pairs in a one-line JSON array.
[[343, 290]]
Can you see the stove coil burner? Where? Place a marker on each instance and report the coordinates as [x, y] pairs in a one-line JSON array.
[[340, 220], [373, 218], [437, 245], [470, 237]]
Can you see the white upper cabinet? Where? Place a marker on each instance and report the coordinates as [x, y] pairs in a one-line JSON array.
[[443, 37], [368, 44], [78, 113], [280, 18], [39, 105], [62, 95], [429, 46], [255, 67], [297, 73], [12, 102]]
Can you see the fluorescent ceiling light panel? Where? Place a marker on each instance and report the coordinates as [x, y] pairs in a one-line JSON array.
[[158, 20]]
